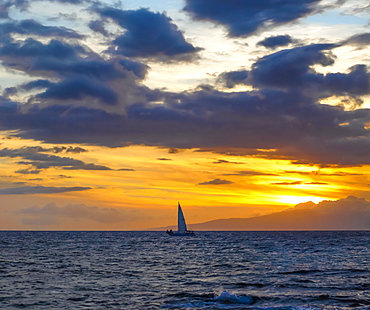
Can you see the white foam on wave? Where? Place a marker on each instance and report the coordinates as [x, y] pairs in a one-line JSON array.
[[225, 296]]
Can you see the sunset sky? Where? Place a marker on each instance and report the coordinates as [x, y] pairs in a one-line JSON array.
[[113, 111]]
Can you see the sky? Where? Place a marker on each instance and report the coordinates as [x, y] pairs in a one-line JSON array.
[[111, 112]]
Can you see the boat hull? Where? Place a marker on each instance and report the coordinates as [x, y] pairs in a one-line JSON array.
[[176, 233]]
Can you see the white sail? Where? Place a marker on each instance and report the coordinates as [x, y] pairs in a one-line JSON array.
[[181, 224]]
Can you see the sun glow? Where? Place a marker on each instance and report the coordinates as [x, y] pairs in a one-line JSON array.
[[299, 199]]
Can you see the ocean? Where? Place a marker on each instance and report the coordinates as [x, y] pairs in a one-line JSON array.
[[211, 270]]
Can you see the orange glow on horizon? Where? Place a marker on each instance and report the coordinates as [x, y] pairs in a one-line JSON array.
[[151, 180]]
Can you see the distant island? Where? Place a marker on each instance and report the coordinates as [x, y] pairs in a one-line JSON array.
[[350, 213]]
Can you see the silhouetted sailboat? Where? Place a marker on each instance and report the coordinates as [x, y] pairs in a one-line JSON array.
[[182, 230]]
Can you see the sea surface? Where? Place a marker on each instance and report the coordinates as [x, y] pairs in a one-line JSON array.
[[212, 270]]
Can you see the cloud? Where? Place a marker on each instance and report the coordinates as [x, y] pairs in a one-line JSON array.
[[137, 68], [223, 161], [72, 74], [361, 40], [276, 41], [64, 60], [32, 27], [26, 190], [299, 183], [249, 173], [33, 48], [51, 214], [37, 84], [173, 150], [98, 26], [87, 167], [232, 78], [244, 18], [5, 5], [83, 98], [216, 182], [147, 34], [39, 160], [291, 67], [78, 88], [298, 128], [356, 82], [288, 183], [28, 171]]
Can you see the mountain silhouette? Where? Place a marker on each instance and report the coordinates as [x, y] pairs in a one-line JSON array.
[[350, 213]]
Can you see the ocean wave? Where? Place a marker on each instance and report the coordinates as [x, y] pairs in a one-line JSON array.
[[226, 297]]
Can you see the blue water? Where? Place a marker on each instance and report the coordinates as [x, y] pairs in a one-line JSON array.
[[213, 270]]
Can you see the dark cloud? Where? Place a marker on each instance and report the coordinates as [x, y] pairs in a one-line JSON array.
[[44, 161], [87, 167], [97, 68], [288, 183], [70, 149], [33, 48], [356, 82], [26, 190], [216, 182], [299, 183], [249, 173], [63, 60], [75, 150], [281, 115], [298, 128], [164, 159], [78, 88], [223, 161], [232, 78], [55, 149], [173, 150], [5, 5], [32, 27], [37, 84], [98, 26], [28, 171], [276, 41], [61, 176], [292, 67], [243, 18], [148, 34], [137, 68], [359, 40], [9, 91], [74, 75]]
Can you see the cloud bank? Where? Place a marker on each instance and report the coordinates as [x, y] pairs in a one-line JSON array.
[[243, 18], [25, 190], [51, 214], [77, 95]]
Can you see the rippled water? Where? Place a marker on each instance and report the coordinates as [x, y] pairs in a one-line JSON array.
[[213, 270]]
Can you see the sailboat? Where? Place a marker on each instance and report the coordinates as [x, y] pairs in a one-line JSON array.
[[181, 225]]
